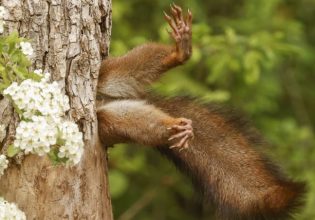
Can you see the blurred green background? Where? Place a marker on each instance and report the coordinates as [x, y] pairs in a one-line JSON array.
[[257, 56]]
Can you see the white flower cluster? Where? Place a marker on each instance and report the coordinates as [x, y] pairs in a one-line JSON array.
[[42, 107], [36, 136], [3, 164], [3, 12], [27, 48], [38, 98], [72, 147], [9, 211], [45, 76]]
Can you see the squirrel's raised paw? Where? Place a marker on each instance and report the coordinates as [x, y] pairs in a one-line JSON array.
[[183, 133], [181, 31]]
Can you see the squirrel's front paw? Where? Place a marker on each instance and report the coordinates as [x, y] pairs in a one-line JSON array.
[[183, 132], [181, 31]]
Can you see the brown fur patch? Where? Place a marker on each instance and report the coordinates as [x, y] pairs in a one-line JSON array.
[[228, 168]]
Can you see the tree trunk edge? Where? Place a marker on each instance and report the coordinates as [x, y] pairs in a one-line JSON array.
[[69, 38]]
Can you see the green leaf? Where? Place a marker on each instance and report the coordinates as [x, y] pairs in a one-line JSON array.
[[34, 76], [231, 35], [252, 75], [219, 65], [12, 151], [4, 76], [20, 72], [12, 40], [53, 156], [2, 87], [60, 141], [252, 67], [16, 108]]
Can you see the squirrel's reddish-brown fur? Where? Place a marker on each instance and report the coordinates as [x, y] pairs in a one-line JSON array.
[[225, 163], [216, 148]]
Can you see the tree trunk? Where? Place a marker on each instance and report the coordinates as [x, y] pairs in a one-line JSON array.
[[69, 37]]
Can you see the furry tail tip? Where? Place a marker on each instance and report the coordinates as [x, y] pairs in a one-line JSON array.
[[284, 199]]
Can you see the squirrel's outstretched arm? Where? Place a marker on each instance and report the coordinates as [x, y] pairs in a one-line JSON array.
[[136, 121], [128, 75]]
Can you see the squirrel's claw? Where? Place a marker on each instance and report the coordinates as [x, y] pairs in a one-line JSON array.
[[181, 32], [180, 25], [184, 132], [182, 144], [181, 134]]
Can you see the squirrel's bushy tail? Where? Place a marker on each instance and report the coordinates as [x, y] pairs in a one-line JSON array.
[[283, 199], [227, 167]]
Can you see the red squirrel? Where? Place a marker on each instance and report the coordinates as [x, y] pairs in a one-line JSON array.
[[216, 149]]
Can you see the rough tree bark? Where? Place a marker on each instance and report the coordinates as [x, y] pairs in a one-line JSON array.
[[70, 37]]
